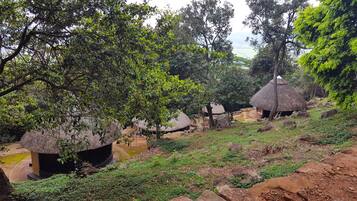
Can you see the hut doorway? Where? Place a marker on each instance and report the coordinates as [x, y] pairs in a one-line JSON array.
[[266, 113]]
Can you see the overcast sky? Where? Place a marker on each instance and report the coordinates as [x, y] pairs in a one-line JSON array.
[[239, 31]]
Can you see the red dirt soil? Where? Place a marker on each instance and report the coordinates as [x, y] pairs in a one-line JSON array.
[[335, 178]]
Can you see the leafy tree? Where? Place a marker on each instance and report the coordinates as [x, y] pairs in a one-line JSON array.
[[306, 84], [235, 89], [207, 22], [32, 34], [330, 31], [157, 96], [16, 115], [108, 58], [273, 20], [262, 66]]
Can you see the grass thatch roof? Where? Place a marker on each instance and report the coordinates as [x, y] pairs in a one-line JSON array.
[[288, 98], [180, 122], [216, 109], [46, 141]]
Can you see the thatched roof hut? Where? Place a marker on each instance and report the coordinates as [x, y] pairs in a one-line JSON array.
[[46, 141], [216, 109], [288, 98], [44, 147], [181, 122]]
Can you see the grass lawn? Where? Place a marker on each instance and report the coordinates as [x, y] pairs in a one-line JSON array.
[[191, 164]]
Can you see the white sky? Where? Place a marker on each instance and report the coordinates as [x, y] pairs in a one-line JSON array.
[[241, 10]]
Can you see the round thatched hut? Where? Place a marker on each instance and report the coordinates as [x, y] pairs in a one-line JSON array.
[[217, 109], [45, 149], [289, 100], [179, 123]]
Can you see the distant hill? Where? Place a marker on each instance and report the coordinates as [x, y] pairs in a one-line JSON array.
[[241, 47]]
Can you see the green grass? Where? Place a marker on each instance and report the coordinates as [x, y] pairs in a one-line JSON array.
[[176, 171], [280, 170]]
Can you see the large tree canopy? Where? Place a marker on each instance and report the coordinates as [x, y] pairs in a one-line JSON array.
[[330, 30], [273, 21], [93, 64], [207, 22], [32, 35]]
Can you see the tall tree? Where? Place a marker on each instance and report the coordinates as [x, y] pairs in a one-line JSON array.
[[208, 23], [273, 20], [330, 31], [32, 34], [262, 66], [235, 88]]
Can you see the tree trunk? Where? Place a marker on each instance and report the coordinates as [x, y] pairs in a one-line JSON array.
[[210, 115], [158, 132], [276, 102], [5, 187]]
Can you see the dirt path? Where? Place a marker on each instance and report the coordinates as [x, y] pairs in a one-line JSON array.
[[15, 162], [247, 115]]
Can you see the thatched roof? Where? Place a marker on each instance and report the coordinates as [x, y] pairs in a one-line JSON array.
[[288, 98], [180, 122], [216, 109], [46, 141]]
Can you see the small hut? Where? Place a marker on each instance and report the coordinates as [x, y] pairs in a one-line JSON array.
[[45, 149], [179, 123], [217, 109], [289, 100]]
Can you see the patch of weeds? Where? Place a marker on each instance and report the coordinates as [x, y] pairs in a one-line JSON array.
[[280, 170], [168, 145], [344, 145], [234, 158], [174, 158], [241, 181], [335, 138], [157, 161]]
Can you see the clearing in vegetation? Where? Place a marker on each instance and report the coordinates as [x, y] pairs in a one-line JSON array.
[[239, 156]]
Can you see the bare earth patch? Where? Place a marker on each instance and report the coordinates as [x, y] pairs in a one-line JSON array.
[[335, 178]]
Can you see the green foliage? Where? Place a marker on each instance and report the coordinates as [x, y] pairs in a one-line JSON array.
[[235, 89], [159, 96], [280, 170], [171, 145], [262, 66], [306, 84], [241, 181], [208, 24], [329, 30], [334, 130], [16, 116]]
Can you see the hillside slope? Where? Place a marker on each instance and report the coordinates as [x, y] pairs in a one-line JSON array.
[[239, 157]]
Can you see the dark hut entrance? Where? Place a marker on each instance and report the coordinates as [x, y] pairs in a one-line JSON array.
[[289, 100], [266, 113], [49, 164]]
